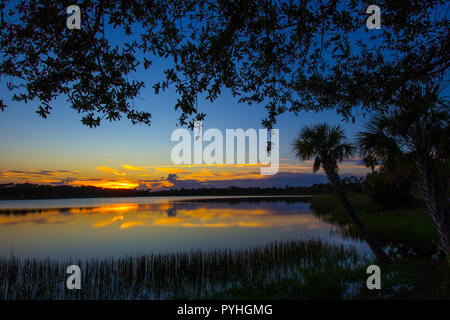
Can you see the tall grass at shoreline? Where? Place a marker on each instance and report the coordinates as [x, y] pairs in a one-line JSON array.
[[412, 228], [187, 274]]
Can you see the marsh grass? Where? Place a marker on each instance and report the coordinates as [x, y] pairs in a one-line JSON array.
[[409, 227], [187, 274]]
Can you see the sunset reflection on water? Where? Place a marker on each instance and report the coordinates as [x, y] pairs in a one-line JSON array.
[[136, 225]]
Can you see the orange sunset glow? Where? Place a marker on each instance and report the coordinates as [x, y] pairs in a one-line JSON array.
[[129, 176]]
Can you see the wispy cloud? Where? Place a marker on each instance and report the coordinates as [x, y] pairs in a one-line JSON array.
[[171, 170], [110, 170], [184, 176], [35, 173], [134, 168]]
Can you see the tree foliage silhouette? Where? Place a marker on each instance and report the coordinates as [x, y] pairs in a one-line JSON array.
[[414, 137], [284, 55]]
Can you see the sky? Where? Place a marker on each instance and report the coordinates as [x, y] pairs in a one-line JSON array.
[[60, 150]]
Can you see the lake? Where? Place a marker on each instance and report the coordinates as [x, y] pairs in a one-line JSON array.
[[109, 227]]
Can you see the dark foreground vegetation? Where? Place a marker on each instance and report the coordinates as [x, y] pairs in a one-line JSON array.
[[285, 270], [409, 229]]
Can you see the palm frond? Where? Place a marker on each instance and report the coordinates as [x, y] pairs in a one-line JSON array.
[[324, 142]]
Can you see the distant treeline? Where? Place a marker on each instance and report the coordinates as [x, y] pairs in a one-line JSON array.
[[237, 191], [12, 191], [35, 191], [39, 191]]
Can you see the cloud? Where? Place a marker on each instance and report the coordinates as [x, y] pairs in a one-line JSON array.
[[205, 175], [172, 181], [110, 170], [183, 184], [107, 183], [35, 173], [172, 178], [63, 182], [176, 177], [280, 180], [171, 170], [231, 179], [134, 168], [142, 187], [156, 184]]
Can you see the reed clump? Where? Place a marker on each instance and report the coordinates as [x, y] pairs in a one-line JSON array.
[[188, 274]]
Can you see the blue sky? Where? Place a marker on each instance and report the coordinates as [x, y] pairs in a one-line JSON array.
[[60, 150], [62, 143]]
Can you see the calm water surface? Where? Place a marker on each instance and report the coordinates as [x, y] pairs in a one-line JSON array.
[[128, 226]]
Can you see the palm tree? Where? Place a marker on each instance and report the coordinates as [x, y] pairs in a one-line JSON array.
[[328, 146], [414, 136], [371, 162]]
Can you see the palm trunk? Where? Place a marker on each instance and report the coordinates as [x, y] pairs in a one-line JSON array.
[[434, 190], [335, 182]]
